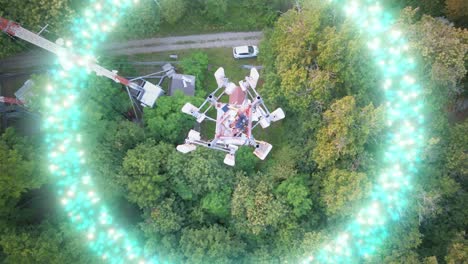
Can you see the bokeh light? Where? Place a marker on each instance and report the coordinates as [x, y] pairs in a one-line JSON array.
[[362, 236], [405, 121]]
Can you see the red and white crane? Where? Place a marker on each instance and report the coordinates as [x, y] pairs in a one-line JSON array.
[[146, 93], [12, 101]]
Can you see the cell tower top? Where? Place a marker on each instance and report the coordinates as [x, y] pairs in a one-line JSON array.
[[234, 120]]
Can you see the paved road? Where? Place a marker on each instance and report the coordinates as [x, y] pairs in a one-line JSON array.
[[228, 39]]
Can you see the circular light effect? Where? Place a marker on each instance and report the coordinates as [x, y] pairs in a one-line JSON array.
[[67, 160], [361, 237], [405, 121]]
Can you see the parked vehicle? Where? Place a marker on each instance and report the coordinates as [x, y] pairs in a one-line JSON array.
[[245, 52]]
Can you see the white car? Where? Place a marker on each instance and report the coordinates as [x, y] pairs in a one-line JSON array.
[[245, 52]]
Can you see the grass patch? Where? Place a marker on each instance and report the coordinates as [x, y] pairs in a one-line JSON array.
[[218, 57]]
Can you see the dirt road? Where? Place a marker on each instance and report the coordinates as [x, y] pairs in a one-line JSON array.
[[40, 58]]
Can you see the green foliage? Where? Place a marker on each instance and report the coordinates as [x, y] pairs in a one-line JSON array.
[[457, 10], [254, 206], [164, 218], [246, 160], [344, 191], [312, 240], [194, 175], [197, 65], [458, 250], [103, 100], [34, 100], [263, 12], [166, 122], [45, 244], [457, 156], [144, 172], [292, 36], [141, 21], [21, 170], [346, 131], [212, 244], [345, 65], [296, 192], [111, 142], [172, 10], [433, 8], [215, 10], [217, 203], [443, 49]]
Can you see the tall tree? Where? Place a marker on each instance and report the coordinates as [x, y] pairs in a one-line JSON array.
[[166, 122], [457, 10], [21, 170], [346, 131], [194, 175], [45, 244], [212, 244], [144, 172], [172, 10], [254, 206], [344, 191]]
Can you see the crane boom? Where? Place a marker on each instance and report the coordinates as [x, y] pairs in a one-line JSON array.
[[147, 94], [12, 101], [15, 30]]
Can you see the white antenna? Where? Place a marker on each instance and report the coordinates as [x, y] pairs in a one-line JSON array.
[[230, 160], [253, 78], [220, 77], [262, 150], [186, 148], [277, 115], [230, 88]]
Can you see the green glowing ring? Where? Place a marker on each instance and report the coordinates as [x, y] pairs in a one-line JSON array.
[[361, 237]]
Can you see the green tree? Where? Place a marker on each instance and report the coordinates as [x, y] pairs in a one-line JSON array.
[[457, 156], [255, 208], [293, 34], [166, 122], [172, 10], [212, 244], [21, 170], [346, 131], [45, 244], [429, 7], [344, 65], [246, 160], [142, 20], [430, 260], [297, 194], [197, 65], [107, 151], [444, 51], [215, 10], [198, 173], [144, 172], [458, 250], [218, 203], [343, 192], [165, 217], [457, 10], [402, 241]]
